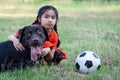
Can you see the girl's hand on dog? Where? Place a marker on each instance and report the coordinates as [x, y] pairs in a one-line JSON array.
[[45, 51], [18, 45]]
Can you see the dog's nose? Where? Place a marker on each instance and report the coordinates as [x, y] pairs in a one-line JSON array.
[[35, 40]]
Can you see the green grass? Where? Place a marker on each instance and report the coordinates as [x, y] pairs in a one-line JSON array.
[[82, 26]]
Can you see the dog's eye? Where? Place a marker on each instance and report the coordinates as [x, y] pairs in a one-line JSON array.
[[39, 31], [29, 33]]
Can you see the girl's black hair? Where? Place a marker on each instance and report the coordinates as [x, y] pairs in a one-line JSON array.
[[41, 11]]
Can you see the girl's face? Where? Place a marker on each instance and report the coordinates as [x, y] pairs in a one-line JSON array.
[[48, 19]]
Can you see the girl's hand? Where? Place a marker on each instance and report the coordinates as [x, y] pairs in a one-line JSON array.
[[45, 51], [18, 45], [16, 42]]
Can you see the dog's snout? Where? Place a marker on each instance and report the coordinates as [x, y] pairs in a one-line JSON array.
[[35, 39]]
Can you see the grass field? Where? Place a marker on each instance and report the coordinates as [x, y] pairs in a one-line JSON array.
[[82, 26]]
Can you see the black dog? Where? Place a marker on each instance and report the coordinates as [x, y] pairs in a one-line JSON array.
[[29, 36]]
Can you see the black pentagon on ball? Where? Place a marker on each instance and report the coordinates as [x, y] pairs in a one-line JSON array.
[[83, 54], [77, 66], [88, 64]]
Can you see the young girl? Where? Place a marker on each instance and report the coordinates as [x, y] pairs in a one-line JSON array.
[[47, 17]]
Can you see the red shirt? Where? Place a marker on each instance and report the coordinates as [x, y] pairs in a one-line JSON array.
[[53, 40]]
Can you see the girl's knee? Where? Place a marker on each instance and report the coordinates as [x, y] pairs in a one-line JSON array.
[[57, 57]]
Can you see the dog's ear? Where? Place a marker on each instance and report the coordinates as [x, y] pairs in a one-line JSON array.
[[22, 33]]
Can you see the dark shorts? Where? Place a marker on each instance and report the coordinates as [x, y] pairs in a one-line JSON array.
[[57, 57]]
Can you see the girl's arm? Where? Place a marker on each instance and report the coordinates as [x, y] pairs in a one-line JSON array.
[[16, 42], [50, 46]]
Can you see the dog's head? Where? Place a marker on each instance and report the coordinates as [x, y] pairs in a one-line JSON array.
[[32, 36]]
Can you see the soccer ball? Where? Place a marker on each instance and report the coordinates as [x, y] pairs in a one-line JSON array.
[[87, 61]]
